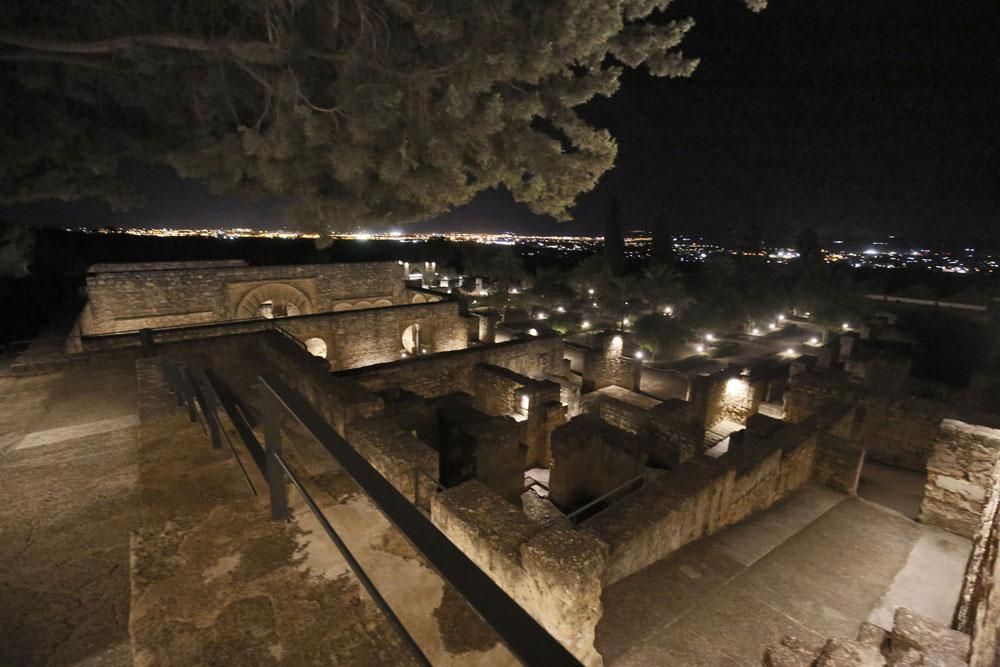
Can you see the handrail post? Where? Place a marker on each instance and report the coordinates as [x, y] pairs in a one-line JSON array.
[[208, 407], [272, 447]]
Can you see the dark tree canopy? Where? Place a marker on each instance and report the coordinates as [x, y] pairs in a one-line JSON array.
[[358, 112]]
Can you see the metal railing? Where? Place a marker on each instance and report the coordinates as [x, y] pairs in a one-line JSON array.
[[597, 505], [525, 638]]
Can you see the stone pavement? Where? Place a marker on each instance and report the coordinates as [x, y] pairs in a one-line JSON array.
[[68, 455], [815, 565]]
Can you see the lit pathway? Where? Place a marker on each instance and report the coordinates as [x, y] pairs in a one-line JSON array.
[[815, 566]]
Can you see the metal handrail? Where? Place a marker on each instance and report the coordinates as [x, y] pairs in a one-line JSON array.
[[572, 517], [522, 634], [353, 563]]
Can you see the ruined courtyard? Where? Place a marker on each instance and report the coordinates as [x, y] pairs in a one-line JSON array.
[[774, 508]]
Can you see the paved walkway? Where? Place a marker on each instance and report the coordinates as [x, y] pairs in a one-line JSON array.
[[67, 475], [815, 565]]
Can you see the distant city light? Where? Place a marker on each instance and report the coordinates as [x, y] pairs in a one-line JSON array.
[[699, 348], [591, 291], [560, 309], [755, 331], [639, 354], [845, 326], [781, 318], [585, 324], [710, 337], [790, 352], [772, 326], [363, 236], [669, 310], [540, 316]]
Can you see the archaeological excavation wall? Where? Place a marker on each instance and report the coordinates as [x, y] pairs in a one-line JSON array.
[[440, 374], [348, 339], [894, 429], [961, 474], [153, 295]]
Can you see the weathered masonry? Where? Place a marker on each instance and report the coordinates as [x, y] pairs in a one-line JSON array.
[[129, 297]]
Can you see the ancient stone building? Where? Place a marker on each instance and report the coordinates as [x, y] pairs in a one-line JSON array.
[[502, 442]]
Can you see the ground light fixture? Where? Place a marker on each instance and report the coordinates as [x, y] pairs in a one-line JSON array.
[[772, 326], [814, 341], [639, 354], [532, 332], [540, 316], [699, 348], [755, 331], [710, 337], [585, 324], [845, 326], [669, 310], [790, 352]]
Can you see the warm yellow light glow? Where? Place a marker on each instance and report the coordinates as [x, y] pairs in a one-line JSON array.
[[525, 402], [617, 340], [639, 354], [781, 318], [560, 309], [669, 310], [585, 324], [790, 352], [736, 388], [709, 337], [590, 291], [772, 326], [814, 341], [845, 326], [625, 321], [699, 348], [540, 316], [755, 331], [533, 332]]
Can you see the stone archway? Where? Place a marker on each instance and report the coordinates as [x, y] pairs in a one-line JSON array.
[[273, 300]]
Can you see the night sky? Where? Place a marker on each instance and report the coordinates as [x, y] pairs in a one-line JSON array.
[[853, 117]]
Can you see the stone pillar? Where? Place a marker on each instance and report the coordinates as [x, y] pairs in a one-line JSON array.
[[488, 328]]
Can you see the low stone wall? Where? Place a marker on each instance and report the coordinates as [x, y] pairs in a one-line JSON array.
[[700, 497], [448, 372], [894, 429], [621, 414], [960, 476], [591, 458], [838, 463], [676, 435], [553, 573]]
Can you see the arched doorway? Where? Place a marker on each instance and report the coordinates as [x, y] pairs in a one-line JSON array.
[[316, 347], [411, 339], [273, 300]]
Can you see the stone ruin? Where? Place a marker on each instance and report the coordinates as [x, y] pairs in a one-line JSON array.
[[542, 460]]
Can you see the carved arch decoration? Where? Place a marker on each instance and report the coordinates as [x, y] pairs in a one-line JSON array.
[[291, 299]]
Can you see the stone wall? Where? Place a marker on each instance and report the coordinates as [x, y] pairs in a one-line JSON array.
[[894, 429], [978, 612], [128, 300], [604, 365], [960, 476], [554, 573], [353, 338], [448, 372], [702, 496], [615, 408], [591, 458], [677, 433]]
